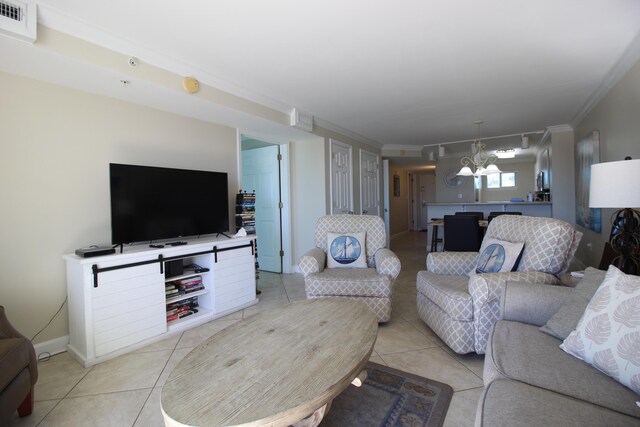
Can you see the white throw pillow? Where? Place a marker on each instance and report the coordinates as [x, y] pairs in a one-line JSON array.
[[498, 256], [346, 250], [608, 334]]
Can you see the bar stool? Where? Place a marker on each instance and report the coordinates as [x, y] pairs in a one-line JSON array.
[[434, 236]]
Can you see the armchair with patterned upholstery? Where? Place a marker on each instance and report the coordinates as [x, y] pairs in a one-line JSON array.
[[461, 307], [372, 285]]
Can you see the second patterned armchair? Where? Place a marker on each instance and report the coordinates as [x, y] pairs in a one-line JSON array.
[[371, 283], [461, 305]]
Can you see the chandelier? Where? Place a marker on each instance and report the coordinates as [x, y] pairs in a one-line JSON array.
[[483, 163]]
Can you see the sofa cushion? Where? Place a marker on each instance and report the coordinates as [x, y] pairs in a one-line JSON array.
[[608, 334], [566, 318], [521, 352], [346, 250], [14, 357], [512, 403], [450, 293], [363, 282]]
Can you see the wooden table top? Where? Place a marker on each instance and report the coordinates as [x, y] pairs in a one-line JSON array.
[[273, 368]]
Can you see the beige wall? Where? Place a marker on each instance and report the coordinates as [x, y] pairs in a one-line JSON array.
[[525, 182], [308, 193], [616, 117], [563, 188], [56, 147], [444, 194]]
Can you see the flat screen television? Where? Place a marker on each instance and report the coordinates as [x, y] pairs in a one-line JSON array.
[[154, 203]]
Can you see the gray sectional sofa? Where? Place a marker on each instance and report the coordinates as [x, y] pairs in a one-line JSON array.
[[530, 381]]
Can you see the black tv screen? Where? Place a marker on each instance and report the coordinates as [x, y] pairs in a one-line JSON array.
[[152, 203]]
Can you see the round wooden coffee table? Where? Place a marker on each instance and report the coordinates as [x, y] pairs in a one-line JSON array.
[[274, 368]]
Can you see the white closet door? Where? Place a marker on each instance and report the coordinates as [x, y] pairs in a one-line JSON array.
[[369, 183], [341, 178]]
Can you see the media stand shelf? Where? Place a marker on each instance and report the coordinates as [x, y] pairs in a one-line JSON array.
[[119, 302]]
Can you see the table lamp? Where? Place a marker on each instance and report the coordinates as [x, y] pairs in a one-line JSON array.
[[617, 185]]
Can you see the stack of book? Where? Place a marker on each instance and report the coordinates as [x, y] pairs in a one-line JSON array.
[[184, 286], [245, 211], [171, 290], [191, 284], [183, 308]]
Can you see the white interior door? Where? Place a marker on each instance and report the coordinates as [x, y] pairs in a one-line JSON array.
[[341, 178], [369, 183], [261, 172]]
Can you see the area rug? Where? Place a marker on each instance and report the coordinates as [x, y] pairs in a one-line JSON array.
[[390, 398]]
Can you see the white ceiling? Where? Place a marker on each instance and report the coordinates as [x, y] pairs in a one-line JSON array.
[[408, 73]]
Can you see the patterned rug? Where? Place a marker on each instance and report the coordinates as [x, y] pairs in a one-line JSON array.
[[390, 398]]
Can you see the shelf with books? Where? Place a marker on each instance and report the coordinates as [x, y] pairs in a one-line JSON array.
[[174, 324], [246, 211], [183, 276], [185, 296]]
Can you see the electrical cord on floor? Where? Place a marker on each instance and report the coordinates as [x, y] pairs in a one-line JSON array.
[[45, 327]]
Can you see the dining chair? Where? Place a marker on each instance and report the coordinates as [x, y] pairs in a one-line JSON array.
[[492, 215], [480, 215], [462, 233]]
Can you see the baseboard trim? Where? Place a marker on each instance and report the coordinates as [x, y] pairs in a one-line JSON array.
[[51, 347]]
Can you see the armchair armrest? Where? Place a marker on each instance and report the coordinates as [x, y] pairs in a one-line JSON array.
[[531, 303], [387, 263], [457, 263], [313, 261], [8, 331], [485, 290]]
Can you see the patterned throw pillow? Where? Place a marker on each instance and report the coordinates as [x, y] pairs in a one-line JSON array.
[[608, 334], [346, 250], [498, 256]]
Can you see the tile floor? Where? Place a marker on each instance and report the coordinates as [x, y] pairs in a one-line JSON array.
[[125, 391]]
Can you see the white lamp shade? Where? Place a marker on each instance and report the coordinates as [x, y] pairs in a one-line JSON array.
[[615, 185], [465, 171], [492, 168], [480, 171]]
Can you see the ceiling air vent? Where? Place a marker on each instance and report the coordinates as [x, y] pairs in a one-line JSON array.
[[18, 20]]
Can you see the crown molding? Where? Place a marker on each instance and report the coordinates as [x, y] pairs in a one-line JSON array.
[[346, 132], [396, 147], [60, 21], [630, 56], [559, 128]]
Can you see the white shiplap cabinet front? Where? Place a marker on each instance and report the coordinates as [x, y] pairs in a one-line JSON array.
[[119, 310]]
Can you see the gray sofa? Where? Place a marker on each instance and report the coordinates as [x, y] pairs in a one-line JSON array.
[[530, 381]]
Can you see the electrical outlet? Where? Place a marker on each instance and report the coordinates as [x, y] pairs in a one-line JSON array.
[[459, 196], [590, 246]]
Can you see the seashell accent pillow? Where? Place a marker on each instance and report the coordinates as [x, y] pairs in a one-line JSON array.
[[608, 334]]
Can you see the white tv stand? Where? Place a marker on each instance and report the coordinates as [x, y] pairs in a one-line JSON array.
[[117, 302]]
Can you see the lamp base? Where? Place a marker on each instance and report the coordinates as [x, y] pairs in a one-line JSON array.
[[625, 240]]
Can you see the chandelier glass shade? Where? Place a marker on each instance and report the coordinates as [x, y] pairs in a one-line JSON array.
[[480, 163]]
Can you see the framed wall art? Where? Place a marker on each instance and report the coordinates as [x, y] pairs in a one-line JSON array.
[[587, 154]]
